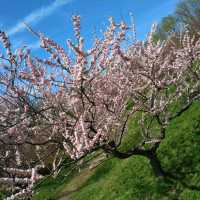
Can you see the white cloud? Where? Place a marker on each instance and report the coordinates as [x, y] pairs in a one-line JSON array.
[[37, 15]]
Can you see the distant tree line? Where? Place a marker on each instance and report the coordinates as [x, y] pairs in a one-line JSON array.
[[185, 17]]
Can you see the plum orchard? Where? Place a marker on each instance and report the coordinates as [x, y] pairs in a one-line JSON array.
[[83, 102]]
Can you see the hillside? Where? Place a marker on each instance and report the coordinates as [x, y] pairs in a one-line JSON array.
[[133, 178]]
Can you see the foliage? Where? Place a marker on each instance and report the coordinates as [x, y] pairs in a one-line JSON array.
[[186, 16]]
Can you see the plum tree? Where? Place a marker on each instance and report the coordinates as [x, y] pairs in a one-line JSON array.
[[83, 102]]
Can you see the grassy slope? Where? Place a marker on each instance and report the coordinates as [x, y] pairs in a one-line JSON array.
[[133, 178]]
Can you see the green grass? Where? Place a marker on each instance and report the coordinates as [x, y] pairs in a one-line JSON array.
[[133, 178]]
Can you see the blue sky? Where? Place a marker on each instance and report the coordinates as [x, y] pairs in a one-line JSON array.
[[52, 17]]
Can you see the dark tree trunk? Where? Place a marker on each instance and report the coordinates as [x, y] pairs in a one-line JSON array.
[[155, 164], [149, 154]]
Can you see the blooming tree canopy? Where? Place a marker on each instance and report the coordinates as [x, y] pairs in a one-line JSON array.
[[78, 103]]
